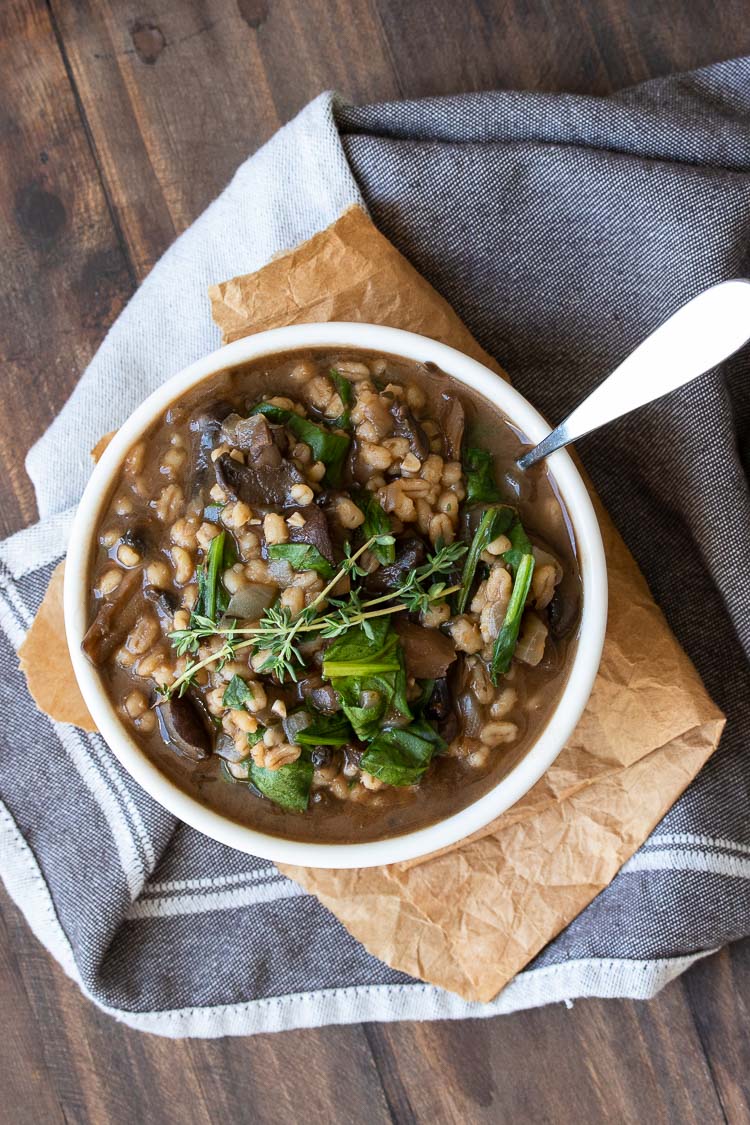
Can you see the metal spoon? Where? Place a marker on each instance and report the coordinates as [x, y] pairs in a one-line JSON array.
[[706, 330]]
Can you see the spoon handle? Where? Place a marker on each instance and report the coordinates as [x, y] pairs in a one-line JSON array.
[[701, 334]]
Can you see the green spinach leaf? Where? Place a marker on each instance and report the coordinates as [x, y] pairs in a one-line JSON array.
[[369, 675], [346, 394], [494, 522], [520, 545], [507, 638], [401, 755], [213, 599], [302, 556], [479, 467], [328, 446], [326, 730], [376, 523], [355, 653], [288, 787], [237, 693]]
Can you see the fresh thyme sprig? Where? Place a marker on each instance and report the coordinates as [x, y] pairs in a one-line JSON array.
[[278, 631]]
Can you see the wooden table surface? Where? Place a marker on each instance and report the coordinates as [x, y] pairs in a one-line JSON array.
[[121, 120]]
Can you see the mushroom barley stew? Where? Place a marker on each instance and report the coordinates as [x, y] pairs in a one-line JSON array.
[[326, 602]]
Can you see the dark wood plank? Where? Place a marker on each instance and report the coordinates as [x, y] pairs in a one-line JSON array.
[[168, 137], [22, 1061], [102, 164], [63, 277], [315, 1076], [599, 1061], [582, 46], [176, 103], [718, 991]]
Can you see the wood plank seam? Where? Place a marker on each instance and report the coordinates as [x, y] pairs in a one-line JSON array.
[[88, 133], [706, 1052]]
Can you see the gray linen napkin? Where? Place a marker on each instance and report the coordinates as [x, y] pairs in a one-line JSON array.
[[562, 229]]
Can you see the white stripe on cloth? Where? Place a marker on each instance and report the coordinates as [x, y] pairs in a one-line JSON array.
[[209, 882], [90, 771], [171, 906], [638, 980], [106, 763], [23, 613], [95, 765], [679, 838], [9, 622], [683, 859]]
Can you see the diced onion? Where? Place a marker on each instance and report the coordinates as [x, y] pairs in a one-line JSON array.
[[544, 558], [281, 572], [249, 603], [226, 749], [531, 642], [294, 723]]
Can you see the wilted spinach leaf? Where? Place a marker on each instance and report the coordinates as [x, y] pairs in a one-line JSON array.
[[302, 556], [369, 675], [479, 467], [494, 522], [237, 693], [326, 730], [346, 394], [520, 545], [288, 786], [376, 523], [507, 638], [401, 755], [327, 446], [213, 599]]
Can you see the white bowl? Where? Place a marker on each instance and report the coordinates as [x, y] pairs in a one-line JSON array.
[[585, 659]]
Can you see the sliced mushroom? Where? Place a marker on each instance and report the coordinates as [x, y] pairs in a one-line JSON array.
[[318, 694], [314, 531], [253, 436], [439, 705], [227, 749], [114, 619], [453, 426], [562, 614], [406, 425], [185, 727], [322, 756], [468, 708], [258, 485], [410, 553], [294, 723], [428, 653], [472, 722], [166, 601], [205, 430]]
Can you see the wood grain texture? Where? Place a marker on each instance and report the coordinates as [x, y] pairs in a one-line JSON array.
[[63, 275], [119, 122]]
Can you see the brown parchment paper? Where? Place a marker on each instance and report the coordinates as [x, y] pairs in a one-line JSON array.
[[471, 917], [45, 661]]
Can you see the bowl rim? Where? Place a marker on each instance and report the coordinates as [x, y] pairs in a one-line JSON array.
[[540, 755]]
